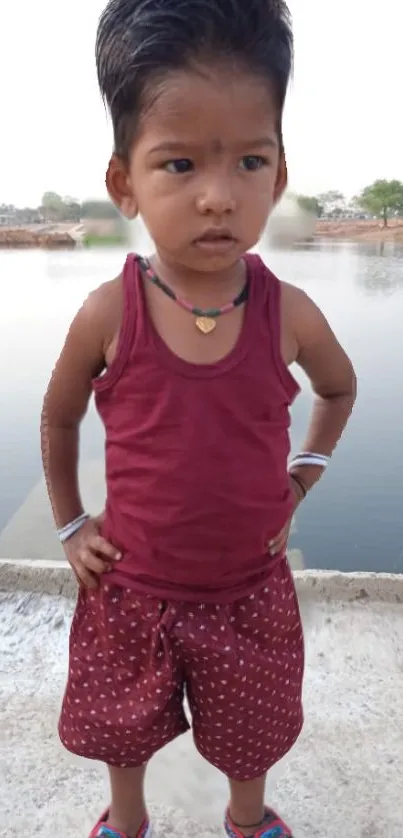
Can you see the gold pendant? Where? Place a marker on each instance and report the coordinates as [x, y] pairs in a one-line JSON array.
[[205, 324]]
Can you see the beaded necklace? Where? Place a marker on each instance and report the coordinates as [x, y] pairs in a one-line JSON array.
[[205, 319]]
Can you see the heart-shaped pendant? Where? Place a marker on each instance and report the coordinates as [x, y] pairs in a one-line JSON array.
[[205, 324]]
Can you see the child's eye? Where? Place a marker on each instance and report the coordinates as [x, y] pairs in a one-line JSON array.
[[253, 162], [179, 167]]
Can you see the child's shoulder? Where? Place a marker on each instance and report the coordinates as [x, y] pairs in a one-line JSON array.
[[105, 298], [291, 297], [303, 324], [96, 326], [102, 309], [308, 339], [296, 304]]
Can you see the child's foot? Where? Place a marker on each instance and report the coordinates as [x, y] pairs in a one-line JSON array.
[[271, 827], [103, 830]]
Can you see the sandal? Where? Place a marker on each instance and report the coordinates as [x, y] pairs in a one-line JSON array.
[[102, 830]]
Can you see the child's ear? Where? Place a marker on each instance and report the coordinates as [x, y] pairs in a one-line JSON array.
[[119, 187], [281, 179]]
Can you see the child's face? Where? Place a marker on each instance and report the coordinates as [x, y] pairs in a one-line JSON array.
[[207, 155]]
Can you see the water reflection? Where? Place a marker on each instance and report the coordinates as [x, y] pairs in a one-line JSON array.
[[323, 246], [378, 265], [379, 271]]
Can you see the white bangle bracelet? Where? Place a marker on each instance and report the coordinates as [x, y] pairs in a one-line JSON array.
[[309, 458], [72, 527]]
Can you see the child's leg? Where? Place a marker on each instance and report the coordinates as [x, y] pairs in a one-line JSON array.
[[128, 809], [244, 667], [124, 696], [247, 806]]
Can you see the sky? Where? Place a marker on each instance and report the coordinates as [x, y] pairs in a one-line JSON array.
[[343, 123]]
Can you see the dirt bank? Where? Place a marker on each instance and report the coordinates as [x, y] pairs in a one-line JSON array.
[[361, 231], [21, 237]]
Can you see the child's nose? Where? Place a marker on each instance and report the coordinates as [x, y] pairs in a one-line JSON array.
[[217, 197]]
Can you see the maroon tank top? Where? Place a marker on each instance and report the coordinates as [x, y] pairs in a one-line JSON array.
[[196, 454]]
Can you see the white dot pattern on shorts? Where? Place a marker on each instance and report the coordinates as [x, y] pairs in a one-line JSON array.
[[241, 665]]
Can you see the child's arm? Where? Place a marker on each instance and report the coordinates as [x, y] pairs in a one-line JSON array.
[[65, 405], [318, 352]]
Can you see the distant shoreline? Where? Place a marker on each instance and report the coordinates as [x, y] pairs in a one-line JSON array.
[[67, 236], [51, 237], [360, 231], [64, 236]]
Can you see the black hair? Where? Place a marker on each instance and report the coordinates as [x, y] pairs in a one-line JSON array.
[[140, 41]]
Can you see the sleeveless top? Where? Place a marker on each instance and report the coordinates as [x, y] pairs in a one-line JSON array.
[[196, 454]]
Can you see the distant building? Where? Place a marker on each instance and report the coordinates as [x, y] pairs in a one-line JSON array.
[[14, 217], [8, 218]]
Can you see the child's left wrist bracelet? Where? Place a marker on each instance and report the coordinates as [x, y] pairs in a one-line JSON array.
[[70, 529]]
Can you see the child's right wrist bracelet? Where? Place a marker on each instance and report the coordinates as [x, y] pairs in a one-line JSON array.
[[70, 529]]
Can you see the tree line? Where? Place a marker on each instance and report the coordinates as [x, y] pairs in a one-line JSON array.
[[382, 199], [57, 209]]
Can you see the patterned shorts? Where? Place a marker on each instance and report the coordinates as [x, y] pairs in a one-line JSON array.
[[133, 660]]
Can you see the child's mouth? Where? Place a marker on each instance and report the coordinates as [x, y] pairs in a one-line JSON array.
[[216, 239]]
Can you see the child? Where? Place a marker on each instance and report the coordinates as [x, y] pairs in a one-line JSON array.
[[184, 585]]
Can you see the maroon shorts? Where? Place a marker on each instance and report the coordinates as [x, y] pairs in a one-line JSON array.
[[133, 661]]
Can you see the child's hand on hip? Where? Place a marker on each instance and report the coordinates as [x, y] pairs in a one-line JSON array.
[[89, 554], [279, 544]]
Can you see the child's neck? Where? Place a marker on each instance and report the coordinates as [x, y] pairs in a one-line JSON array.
[[214, 288]]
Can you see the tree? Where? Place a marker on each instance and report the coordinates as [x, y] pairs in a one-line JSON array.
[[333, 202], [310, 204], [52, 206], [383, 198], [99, 210], [55, 208], [72, 210]]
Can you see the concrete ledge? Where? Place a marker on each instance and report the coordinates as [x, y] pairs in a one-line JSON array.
[[55, 579]]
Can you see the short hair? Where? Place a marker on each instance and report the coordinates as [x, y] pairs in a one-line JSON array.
[[140, 41]]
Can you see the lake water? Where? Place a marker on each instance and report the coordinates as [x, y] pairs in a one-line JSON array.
[[354, 519]]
